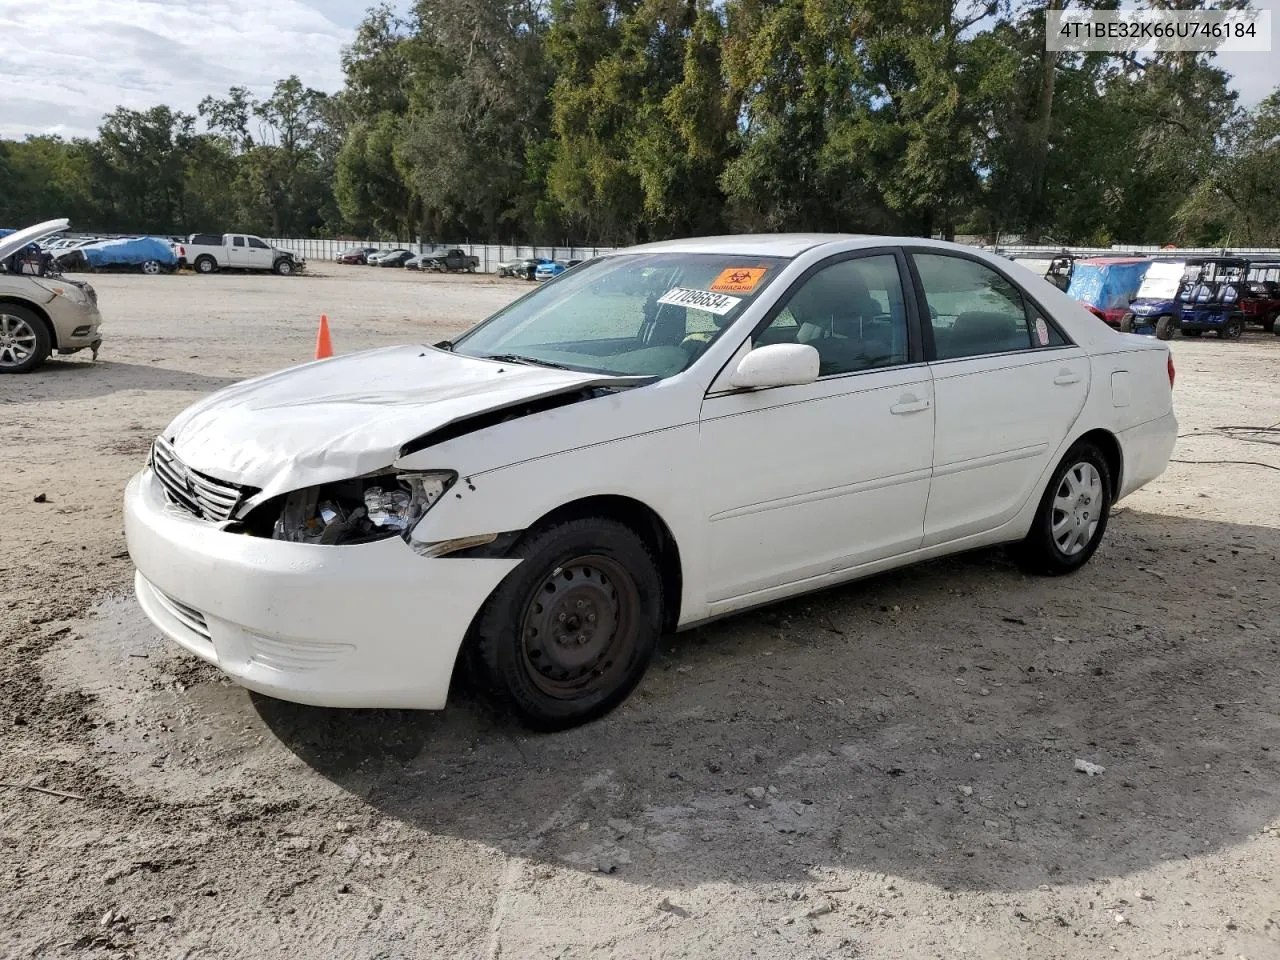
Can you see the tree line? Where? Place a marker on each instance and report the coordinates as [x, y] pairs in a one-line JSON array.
[[619, 121]]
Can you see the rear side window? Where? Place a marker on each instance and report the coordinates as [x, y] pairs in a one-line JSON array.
[[975, 311], [205, 239]]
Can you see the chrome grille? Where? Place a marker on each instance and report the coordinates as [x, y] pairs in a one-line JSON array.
[[197, 493]]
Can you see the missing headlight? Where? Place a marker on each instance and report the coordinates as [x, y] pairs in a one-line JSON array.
[[360, 510]]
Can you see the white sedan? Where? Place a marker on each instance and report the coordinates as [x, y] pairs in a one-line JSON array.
[[660, 436]]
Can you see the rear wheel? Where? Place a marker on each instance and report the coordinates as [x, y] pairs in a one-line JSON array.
[[1164, 328], [1269, 324], [1073, 514], [1126, 323], [1232, 330], [568, 634], [206, 264], [24, 339], [151, 267]]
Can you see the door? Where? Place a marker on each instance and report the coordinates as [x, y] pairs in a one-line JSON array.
[[803, 481], [1008, 386], [259, 255], [238, 251]]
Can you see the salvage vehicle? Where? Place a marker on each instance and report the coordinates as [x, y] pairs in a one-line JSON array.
[[1261, 301], [44, 311], [450, 261], [208, 253], [390, 258], [1211, 301], [552, 268], [149, 255], [523, 269], [358, 255], [1107, 285], [661, 436], [1157, 306]]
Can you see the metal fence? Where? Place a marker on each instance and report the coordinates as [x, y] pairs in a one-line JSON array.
[[490, 255], [1118, 250]]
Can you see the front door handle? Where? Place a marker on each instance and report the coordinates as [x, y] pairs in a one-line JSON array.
[[909, 403], [1066, 377]]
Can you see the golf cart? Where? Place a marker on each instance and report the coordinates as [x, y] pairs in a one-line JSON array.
[[1056, 269], [1156, 308], [1261, 301], [1211, 299]]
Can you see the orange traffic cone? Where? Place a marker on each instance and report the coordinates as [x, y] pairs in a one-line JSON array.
[[324, 348]]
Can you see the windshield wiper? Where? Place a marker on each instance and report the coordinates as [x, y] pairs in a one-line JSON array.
[[531, 361]]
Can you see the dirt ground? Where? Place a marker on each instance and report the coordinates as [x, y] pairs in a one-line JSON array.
[[883, 770]]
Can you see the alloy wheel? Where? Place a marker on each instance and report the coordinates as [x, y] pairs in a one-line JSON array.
[[17, 340], [1077, 508]]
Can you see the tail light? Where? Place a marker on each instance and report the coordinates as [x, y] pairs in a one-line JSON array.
[[1172, 372]]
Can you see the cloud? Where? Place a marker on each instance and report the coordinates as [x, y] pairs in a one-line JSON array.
[[65, 65]]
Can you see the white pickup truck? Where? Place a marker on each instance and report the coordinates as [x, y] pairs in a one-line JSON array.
[[209, 252]]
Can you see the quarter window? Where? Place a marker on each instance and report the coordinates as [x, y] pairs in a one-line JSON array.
[[851, 312], [975, 311]]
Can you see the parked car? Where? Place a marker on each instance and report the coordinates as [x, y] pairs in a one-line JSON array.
[[1106, 285], [391, 258], [419, 261], [355, 255], [522, 269], [208, 252], [44, 311], [150, 255], [552, 268], [1211, 301], [1261, 301], [452, 260], [665, 435], [1157, 305]]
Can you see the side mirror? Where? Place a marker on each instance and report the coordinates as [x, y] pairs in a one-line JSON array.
[[776, 365]]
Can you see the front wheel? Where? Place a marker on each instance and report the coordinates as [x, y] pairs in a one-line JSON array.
[[568, 634], [24, 339], [1233, 330], [1073, 514], [151, 267], [283, 268], [1164, 328]]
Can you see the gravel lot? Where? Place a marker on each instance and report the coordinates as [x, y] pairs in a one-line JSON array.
[[881, 770]]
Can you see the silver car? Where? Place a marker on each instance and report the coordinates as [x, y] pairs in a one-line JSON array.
[[42, 311]]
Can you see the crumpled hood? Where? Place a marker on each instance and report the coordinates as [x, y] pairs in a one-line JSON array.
[[350, 415]]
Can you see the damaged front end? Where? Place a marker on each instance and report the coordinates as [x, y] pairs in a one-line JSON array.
[[349, 512]]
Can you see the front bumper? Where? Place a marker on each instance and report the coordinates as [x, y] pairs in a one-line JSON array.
[[373, 625], [75, 325]]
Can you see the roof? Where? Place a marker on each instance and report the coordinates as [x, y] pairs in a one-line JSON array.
[[760, 244]]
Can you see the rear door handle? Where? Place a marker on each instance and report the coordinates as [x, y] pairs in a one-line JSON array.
[[909, 403], [1066, 378]]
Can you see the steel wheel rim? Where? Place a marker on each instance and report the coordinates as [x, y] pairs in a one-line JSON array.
[[285, 269], [1077, 508], [579, 627], [17, 340]]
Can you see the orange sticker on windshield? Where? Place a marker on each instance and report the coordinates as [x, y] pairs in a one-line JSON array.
[[738, 279]]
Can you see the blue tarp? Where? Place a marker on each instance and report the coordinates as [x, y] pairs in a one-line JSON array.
[[1107, 286], [116, 252]]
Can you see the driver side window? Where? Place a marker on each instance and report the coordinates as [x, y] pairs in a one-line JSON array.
[[851, 312]]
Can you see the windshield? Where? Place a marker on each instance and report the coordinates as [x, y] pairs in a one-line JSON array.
[[647, 315], [1161, 281]]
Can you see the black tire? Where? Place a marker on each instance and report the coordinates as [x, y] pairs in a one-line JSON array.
[[1043, 550], [590, 568], [283, 268], [1269, 324], [1193, 333], [1165, 328], [206, 264], [1126, 323], [151, 267], [1231, 330], [24, 339]]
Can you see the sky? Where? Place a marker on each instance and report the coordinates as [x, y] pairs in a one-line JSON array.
[[65, 63]]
